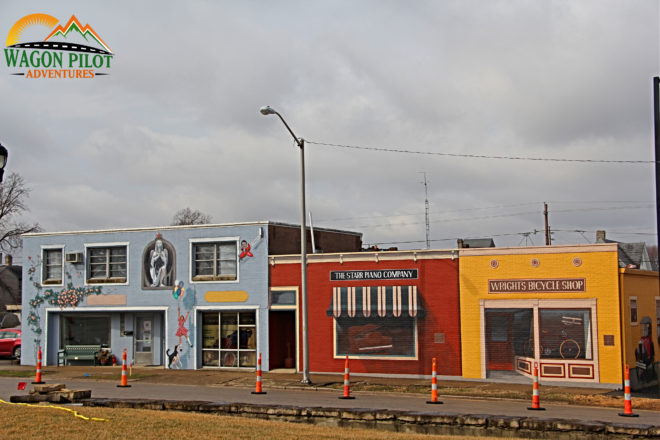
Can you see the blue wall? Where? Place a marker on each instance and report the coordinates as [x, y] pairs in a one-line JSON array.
[[40, 327]]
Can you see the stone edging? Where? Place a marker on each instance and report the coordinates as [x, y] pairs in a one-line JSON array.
[[401, 421]]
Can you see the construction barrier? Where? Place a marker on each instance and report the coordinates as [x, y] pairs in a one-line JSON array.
[[37, 379], [627, 408], [258, 389], [536, 402], [347, 382], [434, 386], [124, 379]]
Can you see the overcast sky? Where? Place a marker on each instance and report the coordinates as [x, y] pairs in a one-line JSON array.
[[176, 123]]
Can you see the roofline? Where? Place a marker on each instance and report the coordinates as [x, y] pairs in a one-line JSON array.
[[377, 256], [166, 228], [554, 249]]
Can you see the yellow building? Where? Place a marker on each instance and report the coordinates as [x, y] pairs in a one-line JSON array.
[[640, 311], [564, 309]]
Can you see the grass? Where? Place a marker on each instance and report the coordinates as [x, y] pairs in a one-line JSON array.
[[36, 421]]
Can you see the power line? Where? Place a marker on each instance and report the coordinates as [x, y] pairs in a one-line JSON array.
[[479, 156]]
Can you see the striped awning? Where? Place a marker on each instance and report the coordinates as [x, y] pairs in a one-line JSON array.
[[375, 302]]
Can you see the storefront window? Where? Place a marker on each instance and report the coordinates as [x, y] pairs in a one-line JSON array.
[[375, 337], [565, 333], [84, 330], [229, 339]]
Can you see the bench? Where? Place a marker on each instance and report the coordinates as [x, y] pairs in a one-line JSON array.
[[78, 353]]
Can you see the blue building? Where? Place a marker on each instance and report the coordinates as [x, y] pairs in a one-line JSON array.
[[179, 296]]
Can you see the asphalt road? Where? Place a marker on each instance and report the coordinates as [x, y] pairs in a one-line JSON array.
[[327, 398]]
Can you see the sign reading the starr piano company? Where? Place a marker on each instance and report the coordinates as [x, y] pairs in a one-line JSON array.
[[386, 274], [553, 285]]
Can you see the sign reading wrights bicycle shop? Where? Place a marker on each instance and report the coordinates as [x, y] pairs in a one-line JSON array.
[[553, 285], [386, 274]]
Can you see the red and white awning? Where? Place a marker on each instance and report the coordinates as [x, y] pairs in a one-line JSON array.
[[375, 302]]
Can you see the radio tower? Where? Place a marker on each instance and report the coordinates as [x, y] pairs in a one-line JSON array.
[[426, 204]]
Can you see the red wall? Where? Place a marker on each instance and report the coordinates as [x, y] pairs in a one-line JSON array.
[[438, 288]]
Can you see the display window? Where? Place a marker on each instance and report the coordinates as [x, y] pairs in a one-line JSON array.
[[84, 330], [375, 321], [229, 339]]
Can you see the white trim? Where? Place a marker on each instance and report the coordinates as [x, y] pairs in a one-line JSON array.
[[527, 250], [630, 321], [296, 309], [536, 304], [191, 260], [295, 289], [414, 357], [345, 257], [108, 245], [198, 343], [51, 247]]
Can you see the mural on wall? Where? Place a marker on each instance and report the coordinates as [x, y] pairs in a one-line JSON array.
[[246, 248], [173, 358], [158, 264], [179, 355], [69, 296], [645, 353]]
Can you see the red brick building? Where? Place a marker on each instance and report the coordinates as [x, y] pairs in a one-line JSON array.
[[391, 312]]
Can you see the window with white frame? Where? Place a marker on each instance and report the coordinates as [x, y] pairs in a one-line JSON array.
[[214, 261], [633, 310], [51, 272], [107, 264], [229, 339]]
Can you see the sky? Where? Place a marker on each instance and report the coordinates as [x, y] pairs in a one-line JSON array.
[[385, 93]]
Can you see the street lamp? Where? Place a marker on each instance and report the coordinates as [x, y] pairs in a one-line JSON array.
[[3, 160], [267, 110]]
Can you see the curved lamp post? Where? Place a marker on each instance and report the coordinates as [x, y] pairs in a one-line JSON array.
[[3, 160], [267, 110]]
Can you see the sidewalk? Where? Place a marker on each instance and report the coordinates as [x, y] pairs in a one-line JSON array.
[[381, 403], [560, 394]]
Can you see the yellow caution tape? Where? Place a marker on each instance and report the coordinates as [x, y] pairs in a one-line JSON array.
[[75, 413]]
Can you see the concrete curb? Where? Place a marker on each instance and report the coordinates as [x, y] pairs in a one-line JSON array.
[[401, 421]]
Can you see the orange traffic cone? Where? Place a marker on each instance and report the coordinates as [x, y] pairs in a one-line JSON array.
[[258, 389], [536, 403], [434, 386], [347, 382], [627, 408], [124, 379], [37, 379]]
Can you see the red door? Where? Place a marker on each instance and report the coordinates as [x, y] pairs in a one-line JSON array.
[[499, 344]]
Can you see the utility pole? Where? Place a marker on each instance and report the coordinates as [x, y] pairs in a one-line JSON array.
[[426, 204], [656, 124], [548, 240]]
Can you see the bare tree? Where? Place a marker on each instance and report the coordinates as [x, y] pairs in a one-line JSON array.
[[13, 194], [187, 216]]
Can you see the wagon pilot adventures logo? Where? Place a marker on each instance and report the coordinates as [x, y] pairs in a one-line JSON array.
[[38, 46]]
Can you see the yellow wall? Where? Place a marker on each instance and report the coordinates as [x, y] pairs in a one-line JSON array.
[[599, 268], [643, 285]]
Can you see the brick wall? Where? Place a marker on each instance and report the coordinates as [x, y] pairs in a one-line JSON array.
[[437, 332]]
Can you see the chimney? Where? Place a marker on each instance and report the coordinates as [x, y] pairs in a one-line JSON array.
[[600, 236], [459, 242], [8, 260]]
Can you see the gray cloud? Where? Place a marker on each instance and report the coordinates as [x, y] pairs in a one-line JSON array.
[[176, 123]]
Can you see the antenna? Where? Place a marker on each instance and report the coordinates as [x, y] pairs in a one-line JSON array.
[[426, 205]]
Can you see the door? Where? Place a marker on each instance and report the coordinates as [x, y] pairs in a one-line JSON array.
[[282, 339], [499, 344], [144, 339]]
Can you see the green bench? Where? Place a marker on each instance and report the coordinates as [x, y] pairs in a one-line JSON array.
[[78, 353]]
